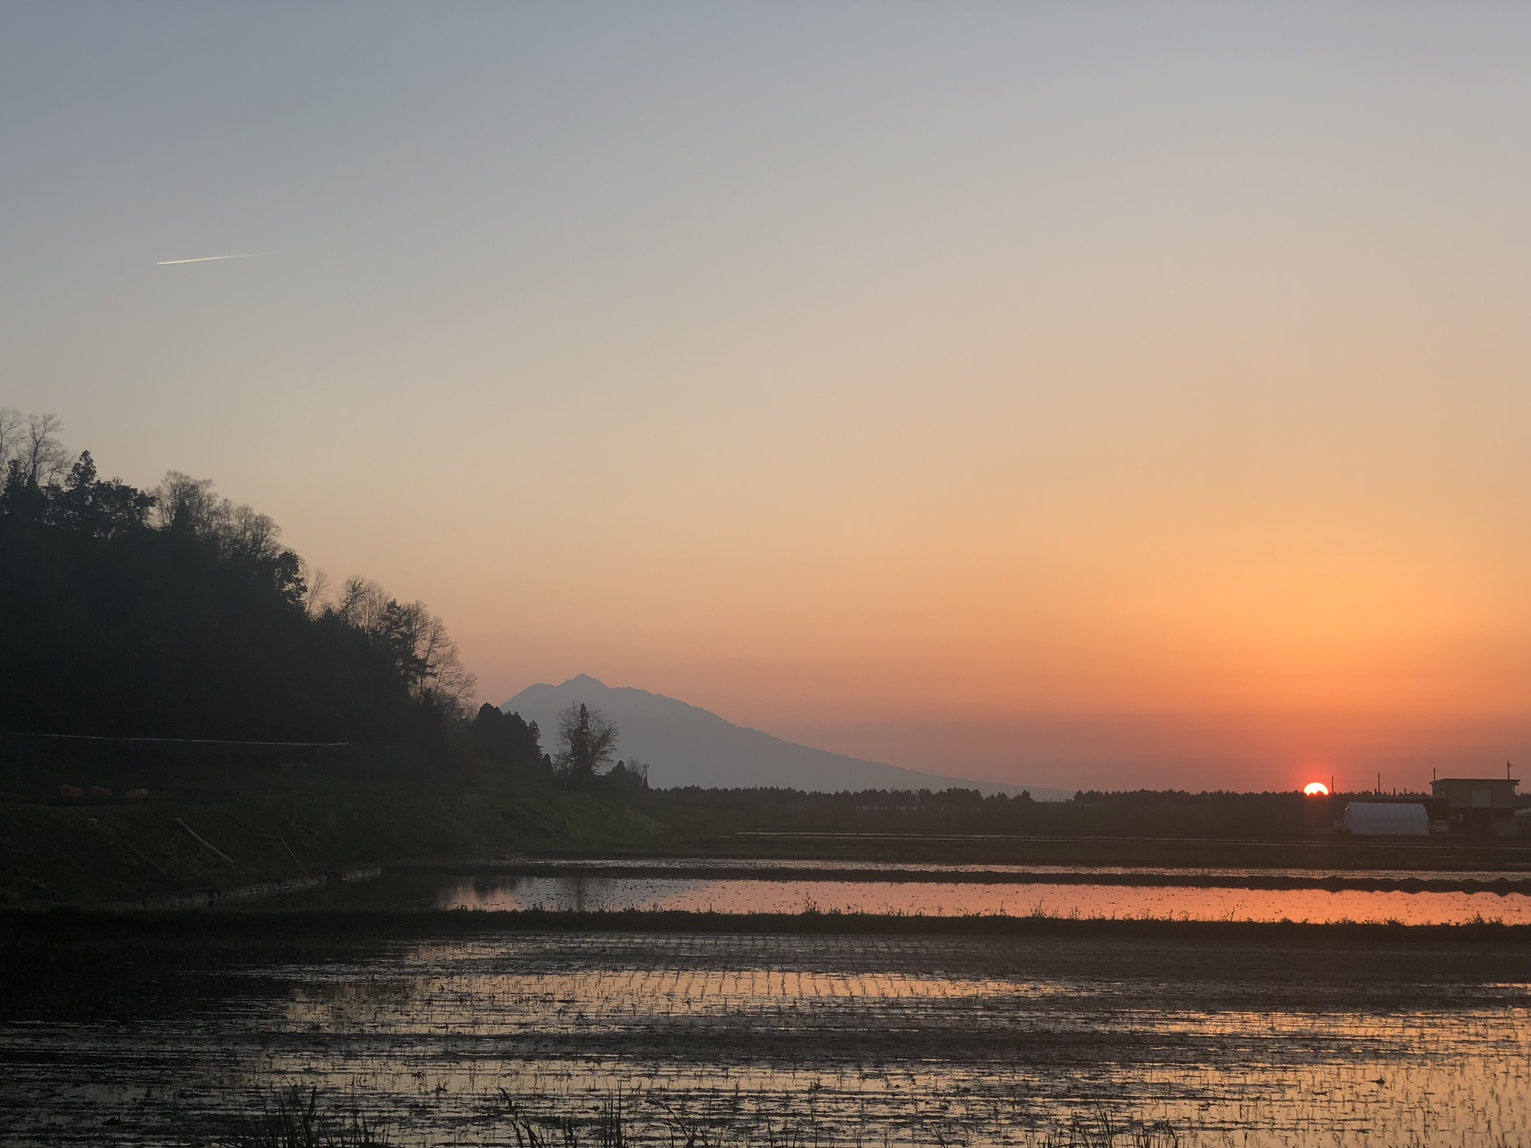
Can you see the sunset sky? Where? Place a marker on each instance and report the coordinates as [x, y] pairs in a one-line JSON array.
[[1086, 395]]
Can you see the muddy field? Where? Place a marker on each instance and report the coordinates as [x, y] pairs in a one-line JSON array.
[[778, 1039]]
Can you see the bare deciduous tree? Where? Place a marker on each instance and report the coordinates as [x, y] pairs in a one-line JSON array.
[[185, 503], [11, 422], [316, 589], [45, 459], [190, 505], [30, 443], [416, 638], [587, 741], [364, 605], [443, 675]]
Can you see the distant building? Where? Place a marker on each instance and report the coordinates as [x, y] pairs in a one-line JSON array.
[[1386, 819], [1484, 806]]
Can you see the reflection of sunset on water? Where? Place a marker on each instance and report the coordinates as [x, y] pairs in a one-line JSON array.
[[992, 1042], [957, 899], [990, 1036]]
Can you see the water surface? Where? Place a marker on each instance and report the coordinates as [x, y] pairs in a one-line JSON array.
[[833, 1040]]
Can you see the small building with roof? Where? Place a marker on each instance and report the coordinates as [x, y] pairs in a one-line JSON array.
[[1480, 806]]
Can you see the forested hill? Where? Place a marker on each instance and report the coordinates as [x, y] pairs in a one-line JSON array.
[[175, 613]]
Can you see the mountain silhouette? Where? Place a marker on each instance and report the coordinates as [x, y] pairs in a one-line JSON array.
[[686, 745]]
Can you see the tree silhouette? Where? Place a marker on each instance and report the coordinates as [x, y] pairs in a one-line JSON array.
[[586, 743], [177, 613], [505, 738]]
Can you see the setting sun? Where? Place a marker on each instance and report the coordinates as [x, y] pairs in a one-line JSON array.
[[1315, 789]]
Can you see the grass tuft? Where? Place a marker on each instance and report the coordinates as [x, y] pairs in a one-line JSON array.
[[291, 1120]]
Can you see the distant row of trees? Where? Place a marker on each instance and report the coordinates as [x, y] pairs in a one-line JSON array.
[[1143, 813], [175, 612]]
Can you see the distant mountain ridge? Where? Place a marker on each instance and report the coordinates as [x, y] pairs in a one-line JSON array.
[[687, 745]]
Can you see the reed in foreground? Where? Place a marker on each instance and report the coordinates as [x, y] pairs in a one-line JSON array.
[[291, 1118]]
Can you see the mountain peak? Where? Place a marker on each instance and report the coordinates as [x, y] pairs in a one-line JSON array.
[[686, 745]]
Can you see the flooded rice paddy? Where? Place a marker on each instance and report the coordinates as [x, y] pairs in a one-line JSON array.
[[787, 1040], [957, 899], [959, 891]]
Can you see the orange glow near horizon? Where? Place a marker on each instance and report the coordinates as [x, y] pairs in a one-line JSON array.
[[1034, 394]]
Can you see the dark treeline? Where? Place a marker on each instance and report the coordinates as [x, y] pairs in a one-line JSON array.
[[174, 613], [1145, 813]]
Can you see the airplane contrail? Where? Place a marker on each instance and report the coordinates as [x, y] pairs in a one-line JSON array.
[[206, 259]]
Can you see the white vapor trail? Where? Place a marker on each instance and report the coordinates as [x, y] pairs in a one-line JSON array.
[[205, 259]]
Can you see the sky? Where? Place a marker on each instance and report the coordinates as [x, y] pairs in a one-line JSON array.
[[1087, 395]]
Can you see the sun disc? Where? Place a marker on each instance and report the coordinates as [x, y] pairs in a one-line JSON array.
[[1316, 789]]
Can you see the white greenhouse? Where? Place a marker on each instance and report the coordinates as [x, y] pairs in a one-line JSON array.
[[1386, 819]]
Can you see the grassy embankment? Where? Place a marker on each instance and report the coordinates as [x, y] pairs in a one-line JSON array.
[[276, 825]]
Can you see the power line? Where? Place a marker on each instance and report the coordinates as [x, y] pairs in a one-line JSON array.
[[179, 740]]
